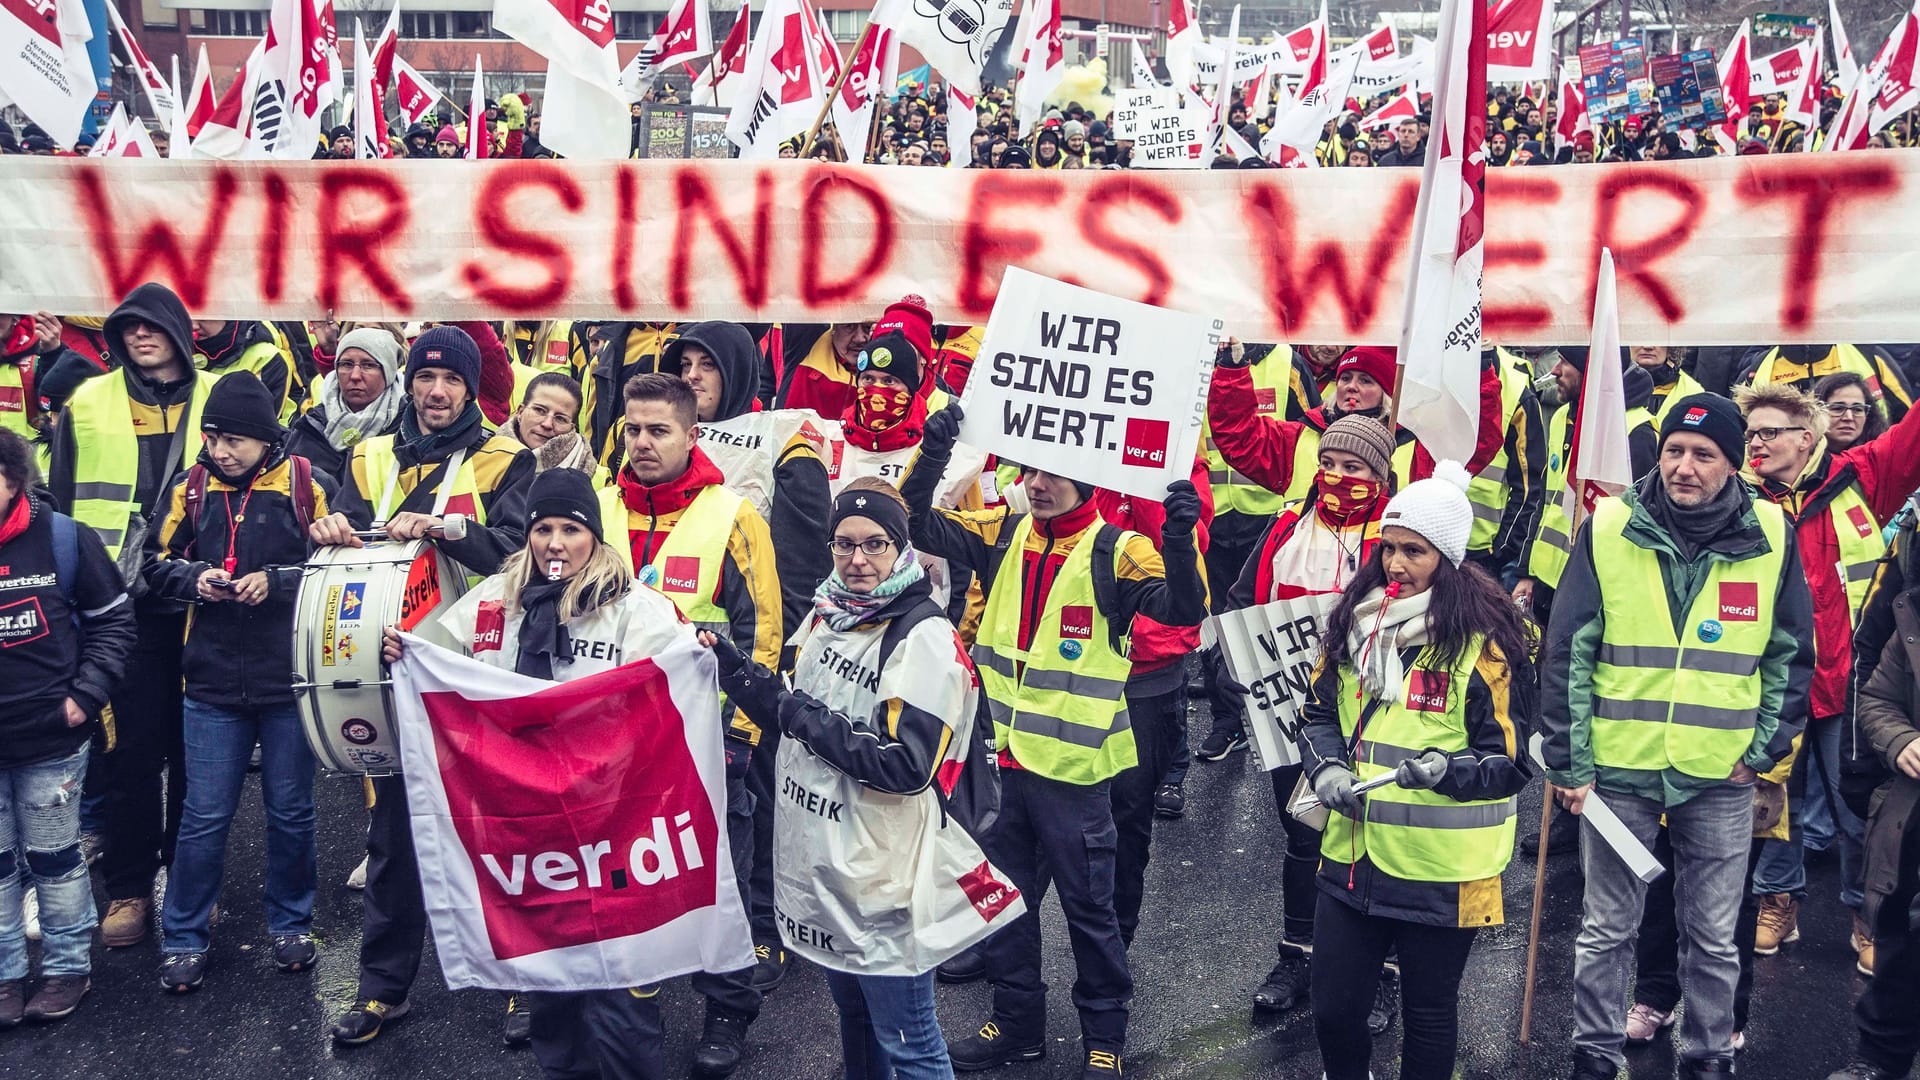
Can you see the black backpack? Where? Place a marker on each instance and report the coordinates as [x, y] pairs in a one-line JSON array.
[[969, 787]]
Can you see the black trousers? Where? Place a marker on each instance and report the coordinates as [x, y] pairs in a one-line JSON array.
[[1298, 894], [1348, 951], [139, 819], [763, 785], [1156, 727], [394, 914], [600, 1035], [1232, 540], [1656, 951], [1889, 1012], [1063, 834]]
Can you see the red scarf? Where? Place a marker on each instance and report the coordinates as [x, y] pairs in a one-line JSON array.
[[1345, 500], [881, 431], [16, 520]]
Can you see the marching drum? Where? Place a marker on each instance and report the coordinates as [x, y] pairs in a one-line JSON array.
[[347, 596]]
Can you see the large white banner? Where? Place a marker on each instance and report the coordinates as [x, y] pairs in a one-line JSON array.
[[1091, 387], [1769, 248], [1271, 649], [572, 836]]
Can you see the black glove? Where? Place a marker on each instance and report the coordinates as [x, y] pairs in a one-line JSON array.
[[730, 657], [1231, 354], [941, 432], [1183, 509]]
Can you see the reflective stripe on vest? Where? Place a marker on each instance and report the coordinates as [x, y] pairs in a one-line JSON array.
[[106, 464], [1861, 546], [1419, 835], [1684, 700], [1488, 491], [1059, 706], [1552, 542], [381, 468], [1233, 492]]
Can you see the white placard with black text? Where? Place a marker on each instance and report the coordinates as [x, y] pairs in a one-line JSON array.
[[1271, 650]]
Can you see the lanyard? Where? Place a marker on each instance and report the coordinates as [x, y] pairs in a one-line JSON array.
[[391, 493], [233, 527]]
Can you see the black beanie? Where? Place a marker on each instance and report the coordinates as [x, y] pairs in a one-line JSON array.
[[1713, 416], [240, 404], [1575, 356], [447, 347], [566, 493], [892, 354]]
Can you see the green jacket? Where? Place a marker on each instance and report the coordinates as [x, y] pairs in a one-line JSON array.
[[1577, 627]]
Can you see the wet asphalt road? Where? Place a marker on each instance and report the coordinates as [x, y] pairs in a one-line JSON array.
[[1211, 915]]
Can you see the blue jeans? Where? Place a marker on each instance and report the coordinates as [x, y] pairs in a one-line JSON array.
[[1782, 867], [40, 811], [219, 742], [887, 1027]]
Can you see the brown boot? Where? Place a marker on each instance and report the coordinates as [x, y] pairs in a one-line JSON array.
[[13, 1001], [1779, 923], [59, 995], [126, 922], [1862, 943]]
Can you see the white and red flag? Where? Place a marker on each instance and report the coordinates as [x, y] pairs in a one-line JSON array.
[[1404, 106], [1440, 331], [1736, 86], [1519, 40], [784, 84], [1899, 75], [685, 35], [720, 76], [1182, 35], [152, 83], [1601, 464], [872, 71], [572, 836], [414, 95], [479, 137], [954, 37], [1381, 44], [276, 106], [1573, 117], [1843, 60], [201, 99], [45, 70], [586, 114], [1041, 59], [124, 137], [369, 118]]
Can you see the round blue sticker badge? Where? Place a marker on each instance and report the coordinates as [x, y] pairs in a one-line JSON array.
[[650, 575], [1710, 630], [1070, 650]]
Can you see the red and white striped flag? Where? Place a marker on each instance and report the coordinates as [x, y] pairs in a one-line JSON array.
[[1736, 86], [159, 94], [1440, 333], [479, 139], [729, 61]]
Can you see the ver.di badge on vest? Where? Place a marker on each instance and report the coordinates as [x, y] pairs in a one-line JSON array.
[[1710, 630]]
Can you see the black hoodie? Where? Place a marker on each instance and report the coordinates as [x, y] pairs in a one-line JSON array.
[[159, 306], [802, 498]]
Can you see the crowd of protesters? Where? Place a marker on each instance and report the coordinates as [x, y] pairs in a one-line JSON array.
[[162, 479]]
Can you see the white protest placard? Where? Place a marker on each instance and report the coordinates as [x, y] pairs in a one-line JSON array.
[[1271, 650], [1169, 137], [1131, 103], [1091, 387]]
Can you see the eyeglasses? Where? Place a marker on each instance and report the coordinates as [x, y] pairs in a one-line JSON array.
[[356, 365], [872, 545], [1768, 434], [1846, 408]]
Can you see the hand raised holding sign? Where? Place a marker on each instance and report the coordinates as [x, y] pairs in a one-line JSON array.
[[1183, 509], [941, 432]]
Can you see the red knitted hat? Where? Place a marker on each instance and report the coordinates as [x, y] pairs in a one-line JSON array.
[[1372, 361], [910, 318]]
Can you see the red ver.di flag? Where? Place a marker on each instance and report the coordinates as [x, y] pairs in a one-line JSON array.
[[571, 835], [1091, 387]]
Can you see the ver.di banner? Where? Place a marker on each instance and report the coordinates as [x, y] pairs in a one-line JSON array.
[[1813, 248]]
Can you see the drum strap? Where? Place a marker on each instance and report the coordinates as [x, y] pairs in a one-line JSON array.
[[390, 495]]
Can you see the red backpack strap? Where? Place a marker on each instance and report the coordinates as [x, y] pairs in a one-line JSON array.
[[300, 485]]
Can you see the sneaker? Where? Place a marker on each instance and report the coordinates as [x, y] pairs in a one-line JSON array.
[[1739, 1041], [991, 1047], [358, 879], [969, 966], [1588, 1065], [30, 911], [769, 965], [13, 1001], [58, 996], [1286, 984], [1221, 742], [517, 1031], [126, 922], [1865, 1070], [182, 972], [721, 1044], [92, 846], [1862, 942], [1644, 1022], [1169, 801], [365, 1020], [1779, 923], [1101, 1065], [1563, 837], [1386, 1003], [293, 952]]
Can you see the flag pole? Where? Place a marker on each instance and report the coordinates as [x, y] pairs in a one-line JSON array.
[[846, 69], [1540, 860]]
